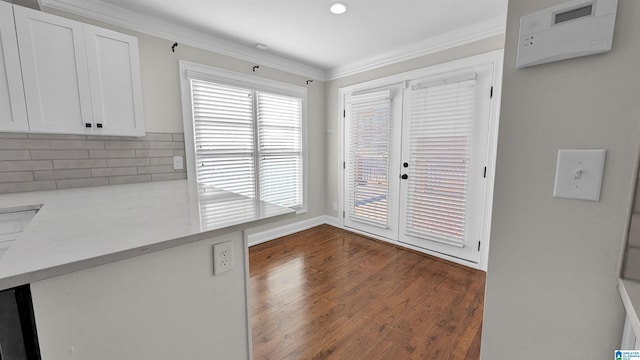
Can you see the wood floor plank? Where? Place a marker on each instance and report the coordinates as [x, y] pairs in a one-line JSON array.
[[326, 293]]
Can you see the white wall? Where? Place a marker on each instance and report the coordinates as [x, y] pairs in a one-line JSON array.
[[553, 263], [333, 165], [165, 305], [163, 109]]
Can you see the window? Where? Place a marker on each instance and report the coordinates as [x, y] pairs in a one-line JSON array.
[[369, 148], [245, 135]]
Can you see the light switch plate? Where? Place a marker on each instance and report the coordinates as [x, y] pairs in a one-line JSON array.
[[579, 174]]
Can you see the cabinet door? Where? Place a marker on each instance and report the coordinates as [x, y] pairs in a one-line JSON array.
[[13, 113], [54, 70], [114, 73]]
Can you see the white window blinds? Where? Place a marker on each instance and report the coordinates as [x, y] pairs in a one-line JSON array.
[[368, 157], [248, 142], [440, 150], [280, 150], [224, 137]]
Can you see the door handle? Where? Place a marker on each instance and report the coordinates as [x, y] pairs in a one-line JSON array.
[[404, 176], [405, 165]]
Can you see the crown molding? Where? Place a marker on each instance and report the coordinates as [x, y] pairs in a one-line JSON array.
[[114, 15], [492, 27]]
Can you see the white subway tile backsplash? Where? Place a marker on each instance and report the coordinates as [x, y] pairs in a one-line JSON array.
[[126, 145], [166, 145], [80, 164], [169, 176], [59, 154], [117, 180], [62, 174], [155, 169], [15, 155], [27, 186], [161, 161], [74, 183], [56, 137], [128, 162], [16, 176], [44, 162], [157, 137], [114, 171], [153, 153], [112, 138], [12, 136], [24, 144], [112, 154], [25, 165], [76, 144]]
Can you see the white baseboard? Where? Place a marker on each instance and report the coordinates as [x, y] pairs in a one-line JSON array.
[[280, 231], [333, 221]]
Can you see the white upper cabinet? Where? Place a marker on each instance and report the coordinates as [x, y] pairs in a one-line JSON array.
[[55, 73], [78, 78], [13, 113], [114, 74]]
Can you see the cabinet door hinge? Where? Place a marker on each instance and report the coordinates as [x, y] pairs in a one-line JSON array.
[[344, 113], [478, 245], [491, 93], [485, 172], [344, 214], [344, 164]]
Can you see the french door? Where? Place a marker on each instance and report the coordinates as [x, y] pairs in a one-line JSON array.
[[371, 178], [415, 161]]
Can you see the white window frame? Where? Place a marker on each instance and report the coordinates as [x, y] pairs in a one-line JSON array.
[[494, 58], [190, 70]]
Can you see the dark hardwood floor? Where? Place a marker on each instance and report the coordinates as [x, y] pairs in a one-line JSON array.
[[326, 293]]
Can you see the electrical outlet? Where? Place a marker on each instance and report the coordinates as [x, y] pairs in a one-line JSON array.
[[222, 257], [177, 163]]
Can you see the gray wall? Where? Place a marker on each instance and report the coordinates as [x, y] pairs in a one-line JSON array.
[[554, 263], [333, 140], [631, 268]]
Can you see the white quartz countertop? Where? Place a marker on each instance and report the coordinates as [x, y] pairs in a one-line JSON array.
[[80, 228]]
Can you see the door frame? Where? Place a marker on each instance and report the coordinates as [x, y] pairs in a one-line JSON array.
[[494, 58]]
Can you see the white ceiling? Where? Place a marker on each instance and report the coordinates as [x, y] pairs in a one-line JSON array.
[[306, 32]]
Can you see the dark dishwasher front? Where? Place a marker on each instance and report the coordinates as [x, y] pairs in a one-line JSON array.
[[18, 339]]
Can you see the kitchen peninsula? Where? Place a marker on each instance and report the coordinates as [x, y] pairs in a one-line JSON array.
[[127, 271]]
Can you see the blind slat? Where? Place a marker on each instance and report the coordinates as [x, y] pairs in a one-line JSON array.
[[226, 150], [368, 157], [440, 150], [223, 136], [280, 148]]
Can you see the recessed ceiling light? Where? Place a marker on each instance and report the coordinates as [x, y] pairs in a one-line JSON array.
[[262, 46], [338, 8]]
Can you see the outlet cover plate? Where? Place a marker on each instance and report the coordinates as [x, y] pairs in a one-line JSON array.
[[222, 257], [579, 174]]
